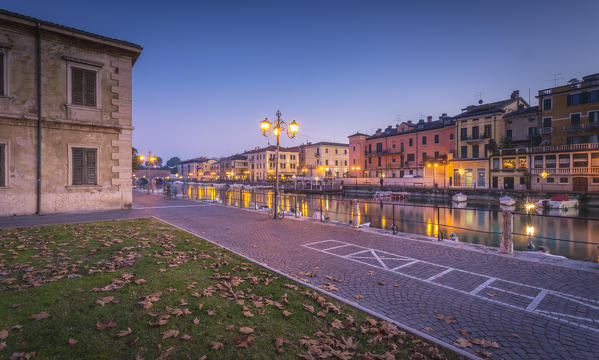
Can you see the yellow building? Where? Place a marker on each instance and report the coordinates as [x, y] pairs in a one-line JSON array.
[[479, 128], [324, 159], [570, 113], [262, 163]]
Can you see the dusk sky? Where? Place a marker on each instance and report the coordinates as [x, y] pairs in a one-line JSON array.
[[212, 70]]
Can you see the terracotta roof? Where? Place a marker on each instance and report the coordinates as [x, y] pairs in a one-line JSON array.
[[325, 143], [485, 109], [524, 111], [357, 134]]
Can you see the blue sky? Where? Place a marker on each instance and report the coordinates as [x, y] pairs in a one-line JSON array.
[[211, 70]]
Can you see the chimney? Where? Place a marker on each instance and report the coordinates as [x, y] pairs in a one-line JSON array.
[[429, 118], [515, 94]]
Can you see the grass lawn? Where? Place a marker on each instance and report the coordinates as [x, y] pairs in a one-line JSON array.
[[141, 289]]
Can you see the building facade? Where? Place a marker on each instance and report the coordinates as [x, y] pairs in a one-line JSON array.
[[84, 123], [190, 169], [323, 159], [234, 167], [262, 163], [404, 150], [570, 113], [479, 129]]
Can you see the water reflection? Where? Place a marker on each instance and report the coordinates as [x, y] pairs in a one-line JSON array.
[[477, 224]]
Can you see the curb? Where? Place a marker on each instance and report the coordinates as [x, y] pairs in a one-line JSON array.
[[337, 297]]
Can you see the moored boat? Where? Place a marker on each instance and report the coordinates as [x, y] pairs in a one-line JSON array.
[[390, 196], [459, 197], [561, 201], [507, 201]]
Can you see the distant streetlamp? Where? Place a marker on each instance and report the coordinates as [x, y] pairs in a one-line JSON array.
[[149, 160], [277, 127]]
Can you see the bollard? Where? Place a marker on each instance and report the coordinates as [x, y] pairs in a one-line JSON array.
[[356, 212], [507, 227]]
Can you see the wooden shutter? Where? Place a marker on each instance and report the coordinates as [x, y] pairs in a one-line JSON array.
[[90, 169], [2, 166], [76, 86], [89, 88], [78, 166]]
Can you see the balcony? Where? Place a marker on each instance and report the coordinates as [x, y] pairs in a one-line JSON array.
[[566, 171], [546, 131], [558, 148], [473, 139], [580, 127], [375, 153]]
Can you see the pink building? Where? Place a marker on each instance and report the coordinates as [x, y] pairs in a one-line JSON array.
[[404, 150]]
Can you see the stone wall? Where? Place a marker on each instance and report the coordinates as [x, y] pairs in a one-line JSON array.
[[106, 127]]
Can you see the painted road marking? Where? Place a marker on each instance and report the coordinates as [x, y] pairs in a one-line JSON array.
[[533, 304]]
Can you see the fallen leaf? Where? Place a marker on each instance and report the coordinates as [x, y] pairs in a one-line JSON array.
[[139, 281], [447, 319], [3, 334], [123, 333], [465, 332], [396, 284], [230, 327], [359, 296], [516, 335], [462, 343], [429, 329], [196, 321], [248, 314], [245, 330], [72, 342], [310, 308], [2, 345], [186, 337], [14, 306], [243, 342], [216, 345], [106, 324], [170, 333], [491, 294], [337, 324], [381, 283], [40, 316], [286, 313]]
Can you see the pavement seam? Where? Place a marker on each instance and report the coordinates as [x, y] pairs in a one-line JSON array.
[[337, 297]]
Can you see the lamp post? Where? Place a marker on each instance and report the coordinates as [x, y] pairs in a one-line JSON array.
[[277, 127], [544, 175], [149, 160]]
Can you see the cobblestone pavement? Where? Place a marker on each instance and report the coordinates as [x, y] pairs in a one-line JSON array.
[[533, 310]]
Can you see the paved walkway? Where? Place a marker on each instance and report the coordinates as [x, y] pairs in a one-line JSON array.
[[532, 310]]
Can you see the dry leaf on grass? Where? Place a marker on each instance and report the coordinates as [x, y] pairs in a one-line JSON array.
[[279, 344], [186, 337], [216, 345], [139, 281], [3, 334], [230, 327], [286, 313], [40, 316], [244, 342], [3, 345], [196, 321], [310, 308], [123, 333], [72, 342], [248, 314], [246, 330], [337, 324], [170, 333], [106, 324]]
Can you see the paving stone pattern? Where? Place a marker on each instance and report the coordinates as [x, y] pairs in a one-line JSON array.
[[533, 310]]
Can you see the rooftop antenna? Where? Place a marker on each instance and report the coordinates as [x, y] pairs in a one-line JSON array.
[[556, 77], [421, 116], [479, 95], [398, 118]]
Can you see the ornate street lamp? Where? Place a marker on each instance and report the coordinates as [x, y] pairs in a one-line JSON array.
[[149, 160], [277, 127]]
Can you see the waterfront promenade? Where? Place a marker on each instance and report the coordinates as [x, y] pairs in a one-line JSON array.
[[530, 309]]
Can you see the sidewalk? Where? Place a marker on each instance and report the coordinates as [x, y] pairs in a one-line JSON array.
[[532, 310]]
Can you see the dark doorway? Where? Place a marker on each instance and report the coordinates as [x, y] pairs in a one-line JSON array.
[[508, 183]]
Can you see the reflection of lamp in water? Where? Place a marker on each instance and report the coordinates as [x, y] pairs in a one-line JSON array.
[[530, 230]]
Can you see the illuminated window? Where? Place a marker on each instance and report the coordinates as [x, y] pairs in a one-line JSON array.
[[522, 163], [509, 163]]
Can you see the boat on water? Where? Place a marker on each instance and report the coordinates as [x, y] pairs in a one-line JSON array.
[[390, 196], [561, 201], [507, 201], [459, 197]]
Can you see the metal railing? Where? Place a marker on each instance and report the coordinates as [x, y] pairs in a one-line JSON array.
[[421, 218]]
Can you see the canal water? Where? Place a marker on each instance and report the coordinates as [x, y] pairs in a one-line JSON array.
[[573, 234]]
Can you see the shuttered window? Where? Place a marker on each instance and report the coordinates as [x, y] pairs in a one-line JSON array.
[[83, 87], [84, 166], [2, 165]]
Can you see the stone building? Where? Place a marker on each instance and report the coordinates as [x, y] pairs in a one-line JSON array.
[[262, 163], [83, 83], [323, 159]]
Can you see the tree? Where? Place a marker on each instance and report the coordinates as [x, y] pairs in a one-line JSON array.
[[173, 162], [158, 162], [135, 159]]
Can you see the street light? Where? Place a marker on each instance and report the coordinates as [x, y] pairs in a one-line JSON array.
[[277, 127], [149, 160]]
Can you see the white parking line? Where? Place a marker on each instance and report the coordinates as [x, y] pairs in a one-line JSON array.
[[531, 307]]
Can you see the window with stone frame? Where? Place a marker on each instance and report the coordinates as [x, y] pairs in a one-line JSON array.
[[84, 166], [83, 87]]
